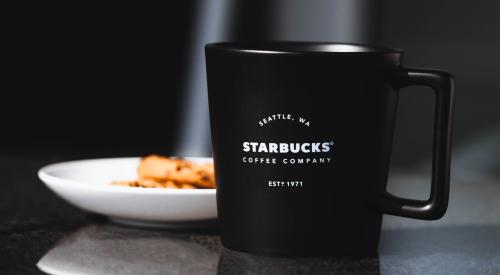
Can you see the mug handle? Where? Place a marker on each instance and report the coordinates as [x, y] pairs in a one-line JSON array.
[[433, 208]]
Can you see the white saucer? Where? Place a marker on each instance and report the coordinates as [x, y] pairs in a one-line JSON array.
[[86, 184]]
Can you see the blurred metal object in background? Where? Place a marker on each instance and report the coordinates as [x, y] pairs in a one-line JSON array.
[[324, 20], [212, 24], [226, 20]]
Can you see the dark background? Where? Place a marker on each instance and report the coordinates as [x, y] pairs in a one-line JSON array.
[[104, 82]]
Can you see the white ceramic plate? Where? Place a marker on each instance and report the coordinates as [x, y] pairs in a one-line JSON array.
[[86, 184]]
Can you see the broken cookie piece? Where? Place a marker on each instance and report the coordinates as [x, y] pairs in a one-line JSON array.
[[161, 172], [180, 171]]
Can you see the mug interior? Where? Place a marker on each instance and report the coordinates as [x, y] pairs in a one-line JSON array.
[[302, 47]]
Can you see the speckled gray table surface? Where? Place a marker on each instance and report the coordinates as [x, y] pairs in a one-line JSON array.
[[37, 227]]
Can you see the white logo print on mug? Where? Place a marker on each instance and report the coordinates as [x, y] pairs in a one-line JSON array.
[[322, 150]]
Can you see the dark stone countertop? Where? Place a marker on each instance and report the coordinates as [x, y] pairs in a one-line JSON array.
[[35, 225]]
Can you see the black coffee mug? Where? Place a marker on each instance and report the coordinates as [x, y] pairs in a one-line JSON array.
[[301, 138]]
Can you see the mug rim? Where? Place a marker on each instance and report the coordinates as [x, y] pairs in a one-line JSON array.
[[302, 47]]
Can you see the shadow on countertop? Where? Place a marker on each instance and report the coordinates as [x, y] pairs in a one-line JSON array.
[[111, 249]]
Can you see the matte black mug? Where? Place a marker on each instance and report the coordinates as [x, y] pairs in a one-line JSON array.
[[301, 139]]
